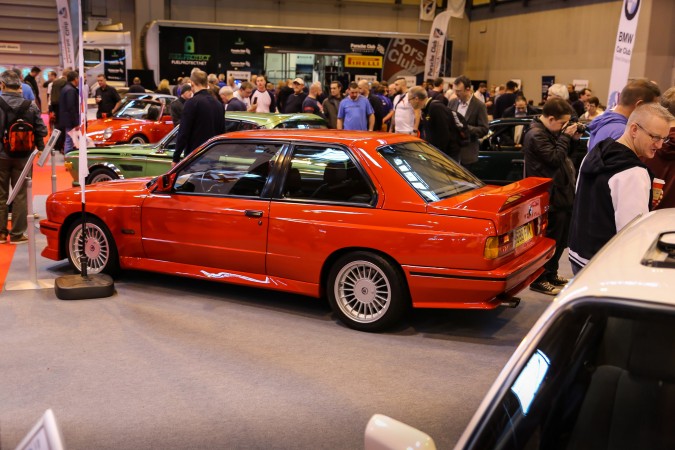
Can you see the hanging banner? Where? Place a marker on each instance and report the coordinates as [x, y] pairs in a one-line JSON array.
[[427, 10], [625, 39], [437, 38], [65, 34]]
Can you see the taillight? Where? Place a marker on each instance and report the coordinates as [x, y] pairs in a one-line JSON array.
[[498, 246]]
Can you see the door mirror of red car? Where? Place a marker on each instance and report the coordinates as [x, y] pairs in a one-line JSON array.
[[165, 182]]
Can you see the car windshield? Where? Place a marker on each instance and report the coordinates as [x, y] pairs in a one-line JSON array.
[[303, 124], [602, 372], [139, 109], [431, 173]]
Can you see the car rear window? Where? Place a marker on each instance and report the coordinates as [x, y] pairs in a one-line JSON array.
[[434, 175]]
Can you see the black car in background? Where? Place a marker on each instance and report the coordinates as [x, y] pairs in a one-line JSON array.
[[501, 160]]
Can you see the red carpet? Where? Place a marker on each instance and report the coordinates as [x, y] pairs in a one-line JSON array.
[[42, 185]]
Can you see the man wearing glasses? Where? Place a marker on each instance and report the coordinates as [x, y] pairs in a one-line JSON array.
[[614, 186]]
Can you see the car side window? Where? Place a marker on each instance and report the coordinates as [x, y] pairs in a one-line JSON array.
[[229, 168], [325, 174], [232, 125], [508, 137]]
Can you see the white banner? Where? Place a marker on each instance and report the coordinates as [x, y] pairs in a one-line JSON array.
[[65, 34], [427, 10], [625, 39], [437, 38]]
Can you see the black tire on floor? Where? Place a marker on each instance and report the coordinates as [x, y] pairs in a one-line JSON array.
[[101, 174], [367, 292], [99, 246]]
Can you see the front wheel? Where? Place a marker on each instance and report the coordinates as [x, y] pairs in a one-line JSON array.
[[101, 174], [366, 291], [138, 139], [99, 247]]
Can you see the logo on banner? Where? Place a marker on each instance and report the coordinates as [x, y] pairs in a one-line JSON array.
[[631, 8], [371, 62], [189, 57]]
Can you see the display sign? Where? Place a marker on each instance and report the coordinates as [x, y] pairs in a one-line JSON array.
[[114, 64], [370, 62], [220, 50], [546, 82], [10, 47], [625, 39]]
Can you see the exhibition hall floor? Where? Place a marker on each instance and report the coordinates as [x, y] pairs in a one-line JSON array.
[[177, 363]]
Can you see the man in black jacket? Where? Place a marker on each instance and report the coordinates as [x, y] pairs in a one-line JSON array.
[[475, 114], [203, 117], [546, 149], [69, 108], [615, 186], [437, 123], [12, 165]]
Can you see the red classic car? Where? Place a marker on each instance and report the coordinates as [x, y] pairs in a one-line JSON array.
[[377, 222], [140, 119]]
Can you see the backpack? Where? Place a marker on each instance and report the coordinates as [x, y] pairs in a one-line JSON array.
[[18, 138]]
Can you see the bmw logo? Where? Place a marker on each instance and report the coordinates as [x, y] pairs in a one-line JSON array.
[[631, 8]]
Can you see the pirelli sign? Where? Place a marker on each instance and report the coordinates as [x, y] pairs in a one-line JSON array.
[[363, 61]]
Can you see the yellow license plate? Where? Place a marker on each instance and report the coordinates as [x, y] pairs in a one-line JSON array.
[[523, 234]]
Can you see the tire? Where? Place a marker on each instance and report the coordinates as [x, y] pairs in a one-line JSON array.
[[367, 292], [100, 248], [101, 174], [138, 139]]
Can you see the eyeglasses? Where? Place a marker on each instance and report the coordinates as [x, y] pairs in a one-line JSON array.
[[654, 137]]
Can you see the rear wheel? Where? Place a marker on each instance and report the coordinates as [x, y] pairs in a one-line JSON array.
[[366, 291], [99, 247], [138, 139], [101, 174]]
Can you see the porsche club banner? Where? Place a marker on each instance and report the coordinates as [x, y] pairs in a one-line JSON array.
[[625, 39], [427, 10], [438, 37], [66, 34]]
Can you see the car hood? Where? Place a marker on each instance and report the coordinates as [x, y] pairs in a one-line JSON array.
[[130, 188], [507, 206], [101, 124], [117, 150]]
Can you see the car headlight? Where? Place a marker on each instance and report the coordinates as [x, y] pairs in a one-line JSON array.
[[107, 133]]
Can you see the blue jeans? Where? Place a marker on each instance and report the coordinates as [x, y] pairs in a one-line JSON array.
[[68, 146]]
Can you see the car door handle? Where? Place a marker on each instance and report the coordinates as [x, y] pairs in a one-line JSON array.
[[253, 213]]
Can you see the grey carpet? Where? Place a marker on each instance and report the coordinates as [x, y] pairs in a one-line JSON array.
[[173, 363]]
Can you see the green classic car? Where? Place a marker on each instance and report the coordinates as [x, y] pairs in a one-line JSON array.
[[129, 161], [501, 160]]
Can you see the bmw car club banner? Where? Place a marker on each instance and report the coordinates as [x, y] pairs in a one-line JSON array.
[[625, 39]]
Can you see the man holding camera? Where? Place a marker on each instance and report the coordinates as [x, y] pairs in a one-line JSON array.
[[546, 147]]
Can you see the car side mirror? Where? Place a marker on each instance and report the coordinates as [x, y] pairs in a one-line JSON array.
[[385, 433], [165, 182]]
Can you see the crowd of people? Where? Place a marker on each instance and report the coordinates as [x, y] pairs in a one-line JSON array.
[[628, 148]]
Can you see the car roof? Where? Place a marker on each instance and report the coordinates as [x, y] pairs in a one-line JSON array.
[[324, 135], [618, 270]]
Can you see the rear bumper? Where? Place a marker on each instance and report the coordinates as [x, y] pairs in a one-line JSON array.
[[432, 287], [51, 230]]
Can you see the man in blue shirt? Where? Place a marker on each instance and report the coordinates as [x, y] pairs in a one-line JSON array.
[[355, 112], [613, 123]]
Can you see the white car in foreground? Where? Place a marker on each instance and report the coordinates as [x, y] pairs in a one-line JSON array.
[[597, 370]]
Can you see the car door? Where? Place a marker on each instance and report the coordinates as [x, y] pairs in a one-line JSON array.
[[216, 215], [501, 159]]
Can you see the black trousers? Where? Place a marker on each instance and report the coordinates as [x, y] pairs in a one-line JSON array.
[[558, 230]]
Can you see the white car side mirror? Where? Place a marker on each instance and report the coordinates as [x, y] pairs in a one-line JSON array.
[[385, 433]]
